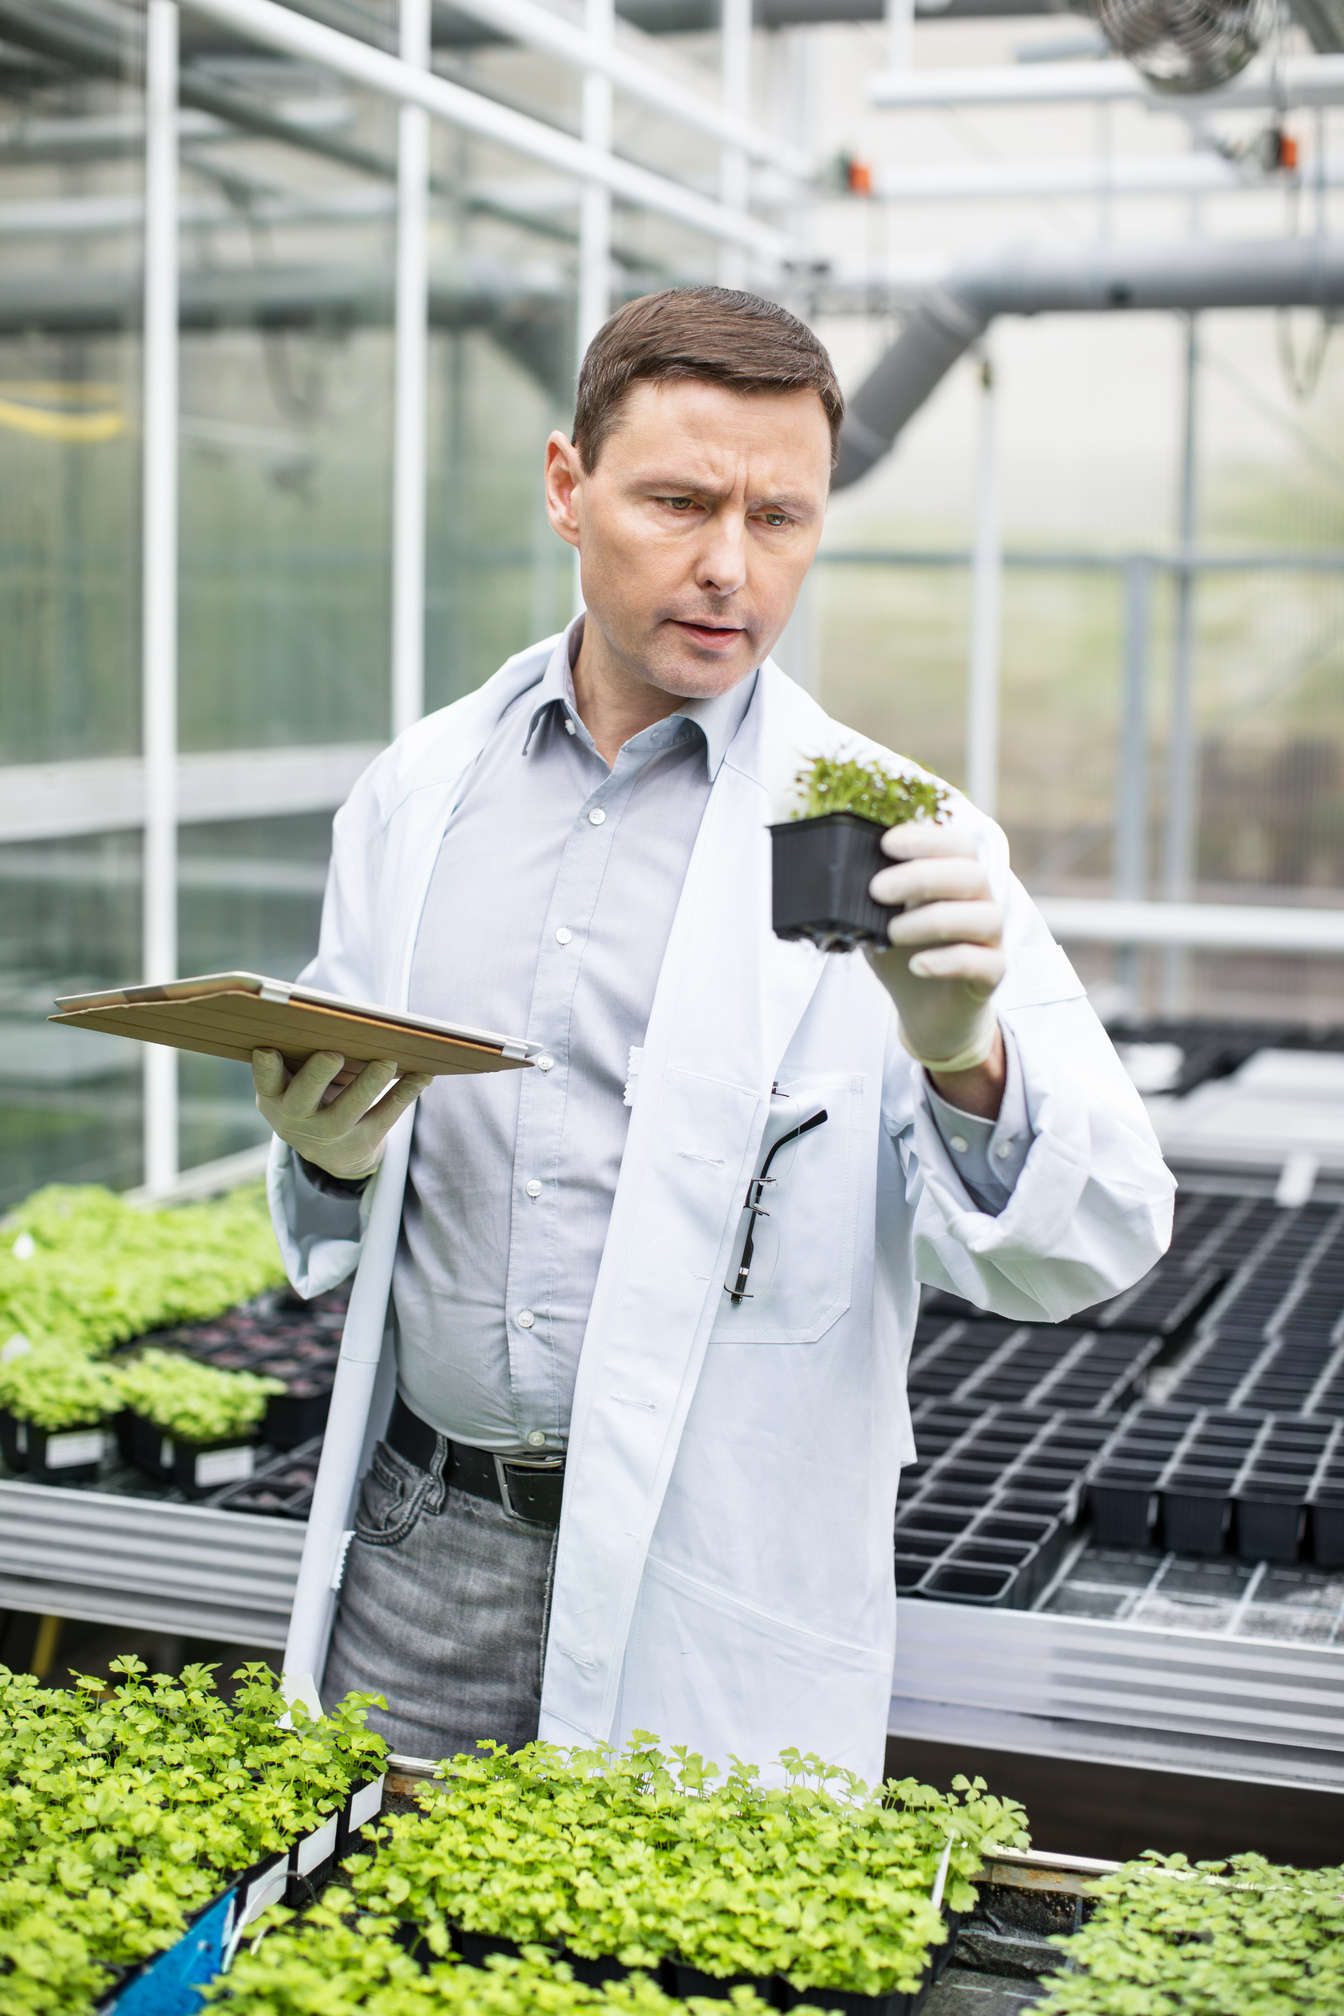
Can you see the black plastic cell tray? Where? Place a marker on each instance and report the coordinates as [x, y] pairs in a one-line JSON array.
[[1195, 1521], [1268, 1529]]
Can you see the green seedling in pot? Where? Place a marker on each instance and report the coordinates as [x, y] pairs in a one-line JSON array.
[[828, 784], [56, 1388], [190, 1401]]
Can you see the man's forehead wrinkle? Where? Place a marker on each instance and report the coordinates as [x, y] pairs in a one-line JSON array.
[[733, 477]]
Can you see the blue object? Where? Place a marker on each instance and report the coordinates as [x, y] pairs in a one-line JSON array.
[[171, 1984]]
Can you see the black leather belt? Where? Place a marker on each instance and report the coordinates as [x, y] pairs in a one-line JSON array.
[[528, 1487]]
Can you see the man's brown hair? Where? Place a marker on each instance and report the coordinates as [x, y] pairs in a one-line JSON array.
[[711, 333]]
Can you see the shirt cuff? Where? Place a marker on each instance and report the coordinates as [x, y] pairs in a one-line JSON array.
[[325, 1207], [988, 1155]]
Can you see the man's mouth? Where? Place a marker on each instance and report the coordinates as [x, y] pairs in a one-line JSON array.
[[710, 636]]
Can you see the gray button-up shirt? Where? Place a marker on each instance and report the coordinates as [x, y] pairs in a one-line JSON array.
[[548, 912]]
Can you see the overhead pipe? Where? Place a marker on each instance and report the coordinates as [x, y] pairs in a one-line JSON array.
[[1185, 275], [1290, 82]]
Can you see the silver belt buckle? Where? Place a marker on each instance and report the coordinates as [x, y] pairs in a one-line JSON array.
[[544, 1465]]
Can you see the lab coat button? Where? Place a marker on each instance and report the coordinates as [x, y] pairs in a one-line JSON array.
[[960, 1143], [525, 1319], [596, 816], [563, 935], [534, 1188], [537, 1439]]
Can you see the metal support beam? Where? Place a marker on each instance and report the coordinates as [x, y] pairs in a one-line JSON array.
[[595, 207], [735, 76], [409, 429], [1130, 874], [276, 27], [1289, 82], [982, 684], [1182, 752], [159, 573]]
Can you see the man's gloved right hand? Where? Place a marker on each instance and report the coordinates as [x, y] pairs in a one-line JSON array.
[[342, 1132]]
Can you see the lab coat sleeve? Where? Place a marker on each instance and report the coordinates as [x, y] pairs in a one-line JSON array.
[[1091, 1211], [321, 1237]]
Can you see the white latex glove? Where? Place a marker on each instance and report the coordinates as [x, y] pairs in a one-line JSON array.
[[946, 959], [342, 1131]]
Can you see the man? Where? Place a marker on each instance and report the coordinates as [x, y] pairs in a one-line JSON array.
[[577, 852]]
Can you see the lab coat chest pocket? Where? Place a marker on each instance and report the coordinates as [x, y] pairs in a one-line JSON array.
[[800, 1276]]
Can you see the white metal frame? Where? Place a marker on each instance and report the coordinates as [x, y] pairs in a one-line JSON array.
[[1293, 81], [159, 572], [275, 27], [409, 449]]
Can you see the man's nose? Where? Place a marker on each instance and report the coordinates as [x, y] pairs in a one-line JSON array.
[[721, 563]]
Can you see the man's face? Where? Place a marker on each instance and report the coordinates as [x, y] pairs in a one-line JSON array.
[[695, 528]]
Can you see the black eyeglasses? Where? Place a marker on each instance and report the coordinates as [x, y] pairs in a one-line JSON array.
[[737, 1289]]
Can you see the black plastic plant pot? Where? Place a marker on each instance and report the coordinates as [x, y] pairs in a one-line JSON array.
[[199, 1467], [144, 1444], [966, 1583], [476, 1947], [679, 1978], [1195, 1521], [297, 1415], [66, 1455], [13, 1442], [820, 870], [596, 1973], [365, 1803], [1123, 1511], [850, 2003], [1327, 1531], [1269, 1528], [910, 1572]]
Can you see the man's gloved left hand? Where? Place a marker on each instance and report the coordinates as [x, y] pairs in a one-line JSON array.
[[946, 958]]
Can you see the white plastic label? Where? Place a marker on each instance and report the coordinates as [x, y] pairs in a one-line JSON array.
[[225, 1466], [268, 1888], [166, 1453], [315, 1848], [365, 1804], [83, 1445]]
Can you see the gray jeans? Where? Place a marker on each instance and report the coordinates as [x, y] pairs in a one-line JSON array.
[[444, 1610]]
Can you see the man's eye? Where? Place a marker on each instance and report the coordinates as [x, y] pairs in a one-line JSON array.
[[776, 517], [679, 503]]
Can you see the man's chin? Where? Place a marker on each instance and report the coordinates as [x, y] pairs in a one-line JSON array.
[[694, 672]]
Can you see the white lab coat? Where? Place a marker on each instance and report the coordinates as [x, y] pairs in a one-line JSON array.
[[724, 1568]]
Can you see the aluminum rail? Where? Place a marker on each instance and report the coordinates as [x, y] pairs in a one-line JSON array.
[[1211, 927], [1187, 274], [275, 27], [537, 27], [1202, 174], [1293, 82]]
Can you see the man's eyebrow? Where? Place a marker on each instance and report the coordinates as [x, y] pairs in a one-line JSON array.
[[689, 486]]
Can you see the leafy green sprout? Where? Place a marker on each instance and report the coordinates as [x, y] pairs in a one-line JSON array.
[[1171, 1938], [194, 1402], [828, 784], [641, 1855], [124, 1809], [54, 1387]]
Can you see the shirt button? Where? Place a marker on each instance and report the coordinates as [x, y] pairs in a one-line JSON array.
[[534, 1188], [525, 1319], [1003, 1149], [563, 935], [960, 1143], [537, 1439], [597, 816], [569, 726], [545, 1063]]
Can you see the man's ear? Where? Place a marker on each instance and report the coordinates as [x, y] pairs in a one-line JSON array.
[[564, 480]]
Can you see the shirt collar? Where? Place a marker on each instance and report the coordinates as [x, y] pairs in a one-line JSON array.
[[718, 719]]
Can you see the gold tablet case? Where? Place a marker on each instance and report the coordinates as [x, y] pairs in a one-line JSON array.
[[233, 1014]]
